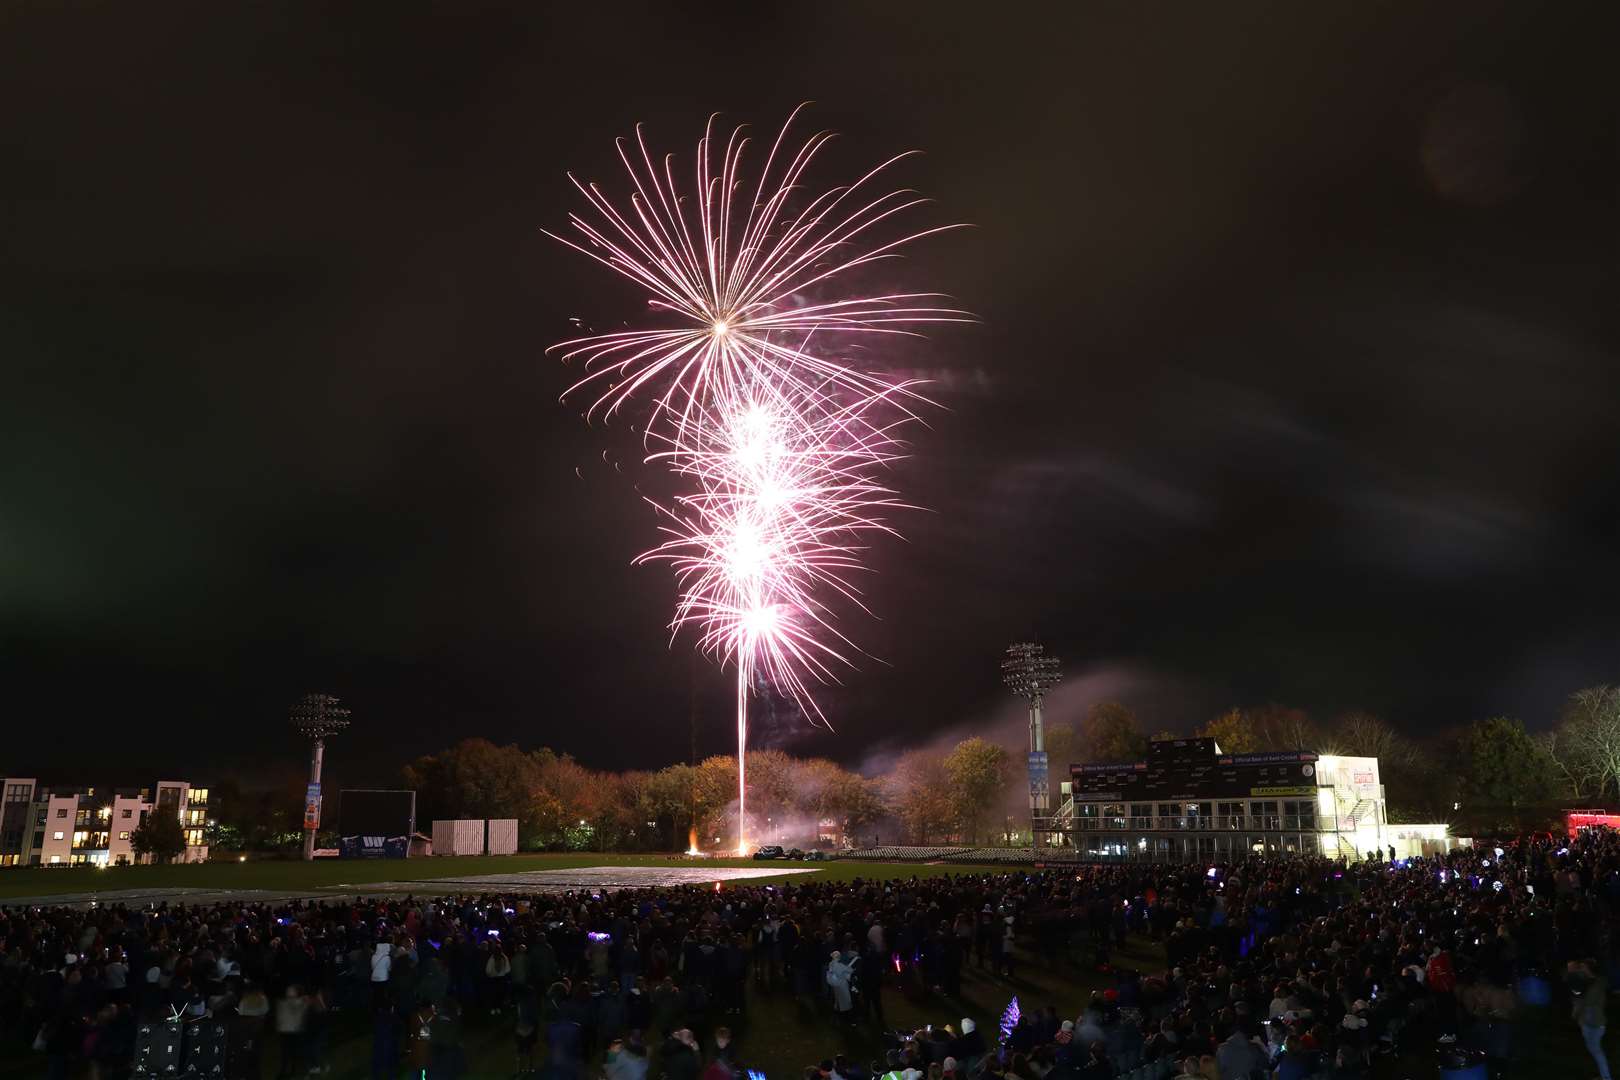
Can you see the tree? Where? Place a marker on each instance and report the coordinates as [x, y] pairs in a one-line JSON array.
[[1233, 732], [1062, 746], [770, 786], [477, 779], [569, 793], [920, 793], [1361, 734], [714, 797], [823, 791], [1590, 736], [1506, 775], [666, 798], [159, 836], [1280, 727], [1111, 734], [978, 771]]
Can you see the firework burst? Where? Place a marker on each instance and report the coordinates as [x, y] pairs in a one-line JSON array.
[[752, 400], [733, 267]]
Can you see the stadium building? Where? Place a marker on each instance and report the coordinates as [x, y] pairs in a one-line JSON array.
[[1186, 801]]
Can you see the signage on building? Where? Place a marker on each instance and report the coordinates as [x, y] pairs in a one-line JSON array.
[[1266, 759], [312, 807], [1284, 791], [1190, 770], [373, 847], [1038, 786]]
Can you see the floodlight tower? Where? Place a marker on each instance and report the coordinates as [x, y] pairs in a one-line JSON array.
[[316, 716], [1030, 673]]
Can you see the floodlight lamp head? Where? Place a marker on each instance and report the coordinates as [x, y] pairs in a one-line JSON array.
[[316, 716], [1028, 671]]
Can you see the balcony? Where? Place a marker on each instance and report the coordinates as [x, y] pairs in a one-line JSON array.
[[1213, 823]]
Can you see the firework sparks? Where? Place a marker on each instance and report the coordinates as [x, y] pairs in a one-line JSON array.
[[751, 400], [734, 267]]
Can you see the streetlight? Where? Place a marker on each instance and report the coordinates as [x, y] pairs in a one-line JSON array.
[[316, 716]]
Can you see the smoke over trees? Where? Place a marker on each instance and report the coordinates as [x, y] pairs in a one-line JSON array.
[[1490, 775]]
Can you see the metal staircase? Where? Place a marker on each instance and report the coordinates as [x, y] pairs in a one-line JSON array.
[[1357, 814]]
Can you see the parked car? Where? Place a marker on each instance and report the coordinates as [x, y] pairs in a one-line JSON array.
[[770, 851]]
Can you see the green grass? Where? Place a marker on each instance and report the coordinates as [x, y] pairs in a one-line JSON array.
[[333, 873]]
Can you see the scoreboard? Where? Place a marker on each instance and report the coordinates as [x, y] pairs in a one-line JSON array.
[[1181, 770]]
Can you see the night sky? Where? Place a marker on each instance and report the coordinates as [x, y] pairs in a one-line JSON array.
[[1296, 379]]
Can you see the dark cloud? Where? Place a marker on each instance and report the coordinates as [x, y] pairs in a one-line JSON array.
[[1294, 380]]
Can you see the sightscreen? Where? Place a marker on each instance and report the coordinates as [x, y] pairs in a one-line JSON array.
[[376, 813]]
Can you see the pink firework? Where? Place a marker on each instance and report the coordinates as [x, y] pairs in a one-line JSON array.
[[774, 525], [783, 500], [750, 286], [751, 400]]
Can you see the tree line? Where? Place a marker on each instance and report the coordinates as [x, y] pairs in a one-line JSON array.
[[1486, 777]]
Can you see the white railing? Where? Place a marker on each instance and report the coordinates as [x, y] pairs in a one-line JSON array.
[[1194, 823]]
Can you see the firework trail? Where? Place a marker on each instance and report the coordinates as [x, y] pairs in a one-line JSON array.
[[752, 404]]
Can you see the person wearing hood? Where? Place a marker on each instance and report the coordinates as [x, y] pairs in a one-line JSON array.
[[382, 965], [968, 1047], [839, 975]]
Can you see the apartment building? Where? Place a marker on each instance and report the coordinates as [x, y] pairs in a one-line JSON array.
[[71, 826]]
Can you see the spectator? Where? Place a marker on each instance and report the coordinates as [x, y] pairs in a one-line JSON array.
[[1588, 1004], [1239, 1057], [838, 978], [291, 1011], [382, 963]]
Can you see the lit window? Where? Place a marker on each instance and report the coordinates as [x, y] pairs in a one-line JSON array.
[[123, 836], [56, 836], [57, 858]]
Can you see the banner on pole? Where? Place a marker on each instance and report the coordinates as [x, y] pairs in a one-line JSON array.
[[1039, 788], [312, 807]]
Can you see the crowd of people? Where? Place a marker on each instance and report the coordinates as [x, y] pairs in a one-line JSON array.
[[1280, 967]]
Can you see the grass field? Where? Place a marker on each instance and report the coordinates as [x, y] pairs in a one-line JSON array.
[[337, 873]]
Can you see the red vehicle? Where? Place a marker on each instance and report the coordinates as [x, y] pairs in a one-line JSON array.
[[1590, 819]]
